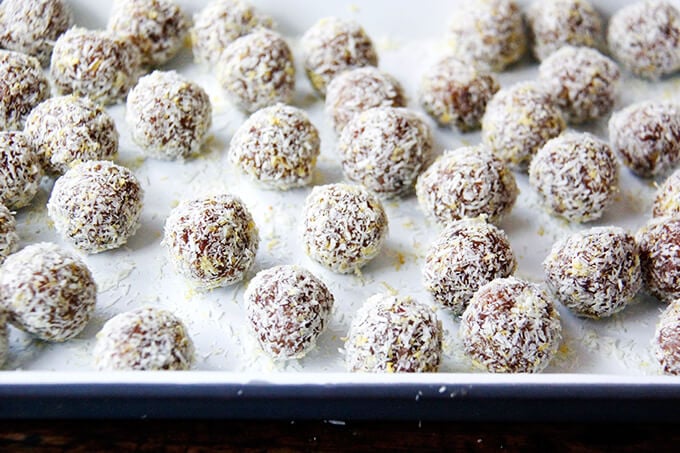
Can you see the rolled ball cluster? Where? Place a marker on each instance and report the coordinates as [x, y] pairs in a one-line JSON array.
[[23, 86], [20, 173], [9, 239], [659, 246]]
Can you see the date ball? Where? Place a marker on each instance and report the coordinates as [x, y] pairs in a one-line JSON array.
[[211, 241], [456, 94], [287, 308], [385, 149], [666, 341], [48, 292], [20, 170], [595, 273], [144, 339], [511, 326], [667, 199], [659, 245], [392, 334], [169, 116], [575, 175], [344, 227], [9, 239], [23, 85], [96, 205]]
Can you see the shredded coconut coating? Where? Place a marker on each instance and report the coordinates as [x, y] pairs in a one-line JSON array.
[[287, 308], [332, 46], [144, 339], [595, 273], [344, 226], [4, 339], [392, 334], [645, 38], [20, 170], [96, 64], [666, 341], [659, 245], [32, 26], [466, 255], [23, 86], [646, 135], [556, 23], [386, 149], [211, 241], [511, 326], [667, 199], [48, 292], [169, 116], [575, 175], [66, 130], [9, 239], [488, 32], [219, 24], [583, 82], [465, 183], [360, 89], [157, 27], [257, 70], [96, 205], [456, 94]]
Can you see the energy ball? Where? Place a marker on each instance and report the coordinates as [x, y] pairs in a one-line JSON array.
[[287, 308], [456, 94], [144, 339], [277, 146], [511, 326], [385, 149], [553, 24], [48, 292], [583, 82], [219, 24], [488, 32], [645, 38], [465, 183], [518, 121], [360, 89], [157, 27], [666, 341], [594, 273], [575, 175], [23, 86], [344, 227], [212, 241], [466, 255], [32, 26], [20, 170], [66, 130], [667, 199], [332, 46], [96, 205], [168, 115], [646, 135], [96, 64], [9, 239], [391, 334], [659, 246]]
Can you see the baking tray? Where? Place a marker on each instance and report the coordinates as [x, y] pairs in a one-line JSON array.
[[603, 371]]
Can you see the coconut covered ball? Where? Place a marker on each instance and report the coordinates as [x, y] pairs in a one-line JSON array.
[[466, 255], [332, 46], [645, 38], [518, 121], [511, 326], [360, 89], [211, 241], [595, 273], [385, 149], [465, 183], [96, 205], [287, 309], [667, 199], [9, 239], [583, 82], [666, 341], [169, 116], [455, 93], [343, 227], [575, 175], [144, 339], [488, 32], [20, 170], [23, 86], [66, 130], [392, 334], [659, 246], [277, 146], [646, 135], [48, 292]]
